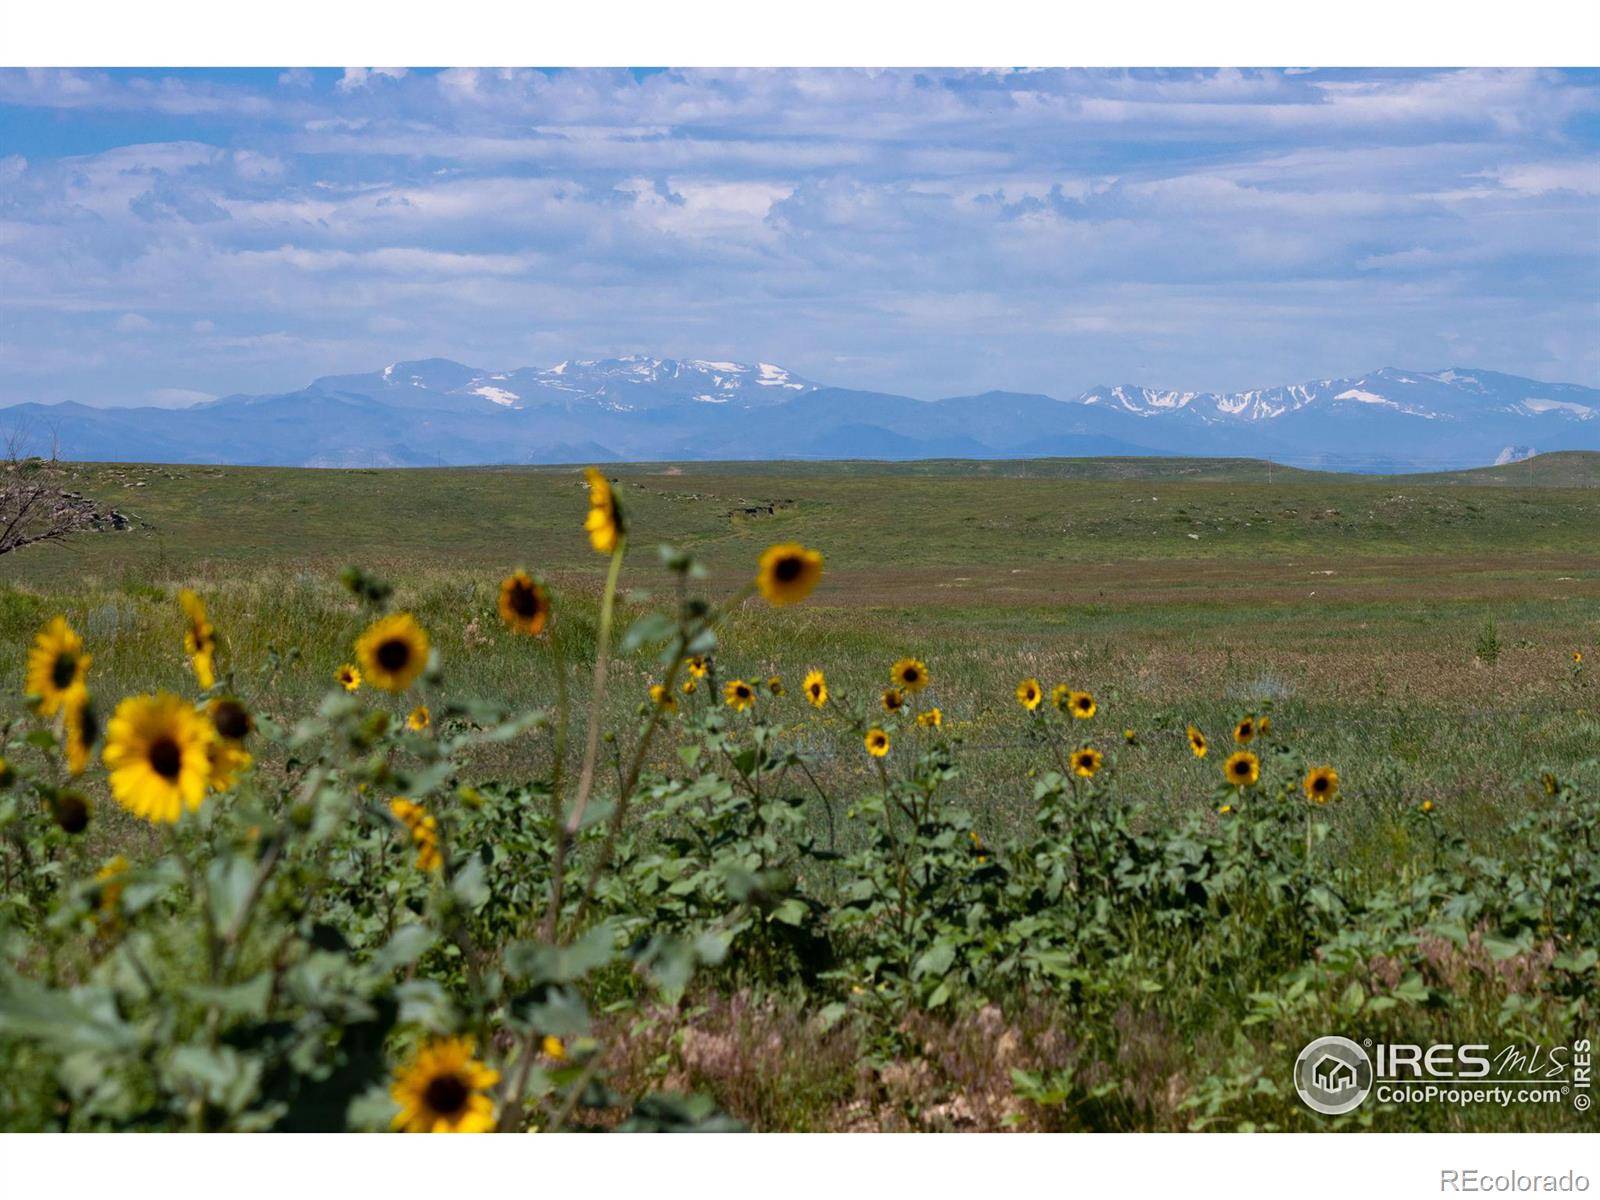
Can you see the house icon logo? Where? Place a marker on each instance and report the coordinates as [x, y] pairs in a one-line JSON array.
[[1333, 1075]]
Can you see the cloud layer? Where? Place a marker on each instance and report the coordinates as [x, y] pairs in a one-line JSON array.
[[166, 236]]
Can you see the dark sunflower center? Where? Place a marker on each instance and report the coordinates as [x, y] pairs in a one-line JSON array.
[[166, 757], [393, 654], [88, 728], [787, 570], [524, 601], [1319, 784], [1241, 769], [446, 1094], [64, 670], [72, 813], [743, 693], [231, 720]]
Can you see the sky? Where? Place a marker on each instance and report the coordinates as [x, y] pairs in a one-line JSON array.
[[170, 236]]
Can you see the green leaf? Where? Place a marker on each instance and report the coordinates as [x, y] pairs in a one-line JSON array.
[[538, 962], [1501, 948], [652, 627], [83, 1019], [221, 1075], [935, 961], [247, 1000], [469, 885], [404, 948]]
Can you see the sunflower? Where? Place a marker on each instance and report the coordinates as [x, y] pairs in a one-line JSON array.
[[775, 685], [816, 688], [738, 695], [442, 1090], [199, 638], [1427, 806], [689, 686], [699, 665], [56, 665], [1245, 731], [82, 728], [429, 857], [1081, 705], [1242, 769], [1197, 742], [158, 750], [1321, 784], [227, 760], [230, 718], [424, 830], [661, 698], [1028, 694], [604, 523], [553, 1047], [1086, 762], [349, 677], [1130, 737], [419, 719], [910, 674], [788, 572], [930, 719], [524, 604], [877, 742], [393, 651], [893, 700], [1059, 695]]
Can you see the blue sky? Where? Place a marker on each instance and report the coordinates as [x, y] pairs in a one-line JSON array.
[[167, 236]]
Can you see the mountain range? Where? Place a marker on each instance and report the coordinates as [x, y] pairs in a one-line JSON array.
[[435, 412]]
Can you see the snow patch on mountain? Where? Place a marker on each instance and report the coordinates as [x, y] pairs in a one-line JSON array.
[[498, 395], [1535, 405]]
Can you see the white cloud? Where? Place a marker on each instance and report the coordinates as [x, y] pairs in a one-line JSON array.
[[359, 77], [932, 231]]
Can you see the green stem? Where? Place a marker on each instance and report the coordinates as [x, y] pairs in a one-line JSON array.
[[591, 749]]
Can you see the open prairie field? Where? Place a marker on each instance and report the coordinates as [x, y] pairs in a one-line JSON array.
[[1176, 590], [1434, 640]]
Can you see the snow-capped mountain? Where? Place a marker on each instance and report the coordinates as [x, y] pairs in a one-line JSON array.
[[617, 384], [1432, 395], [436, 412]]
